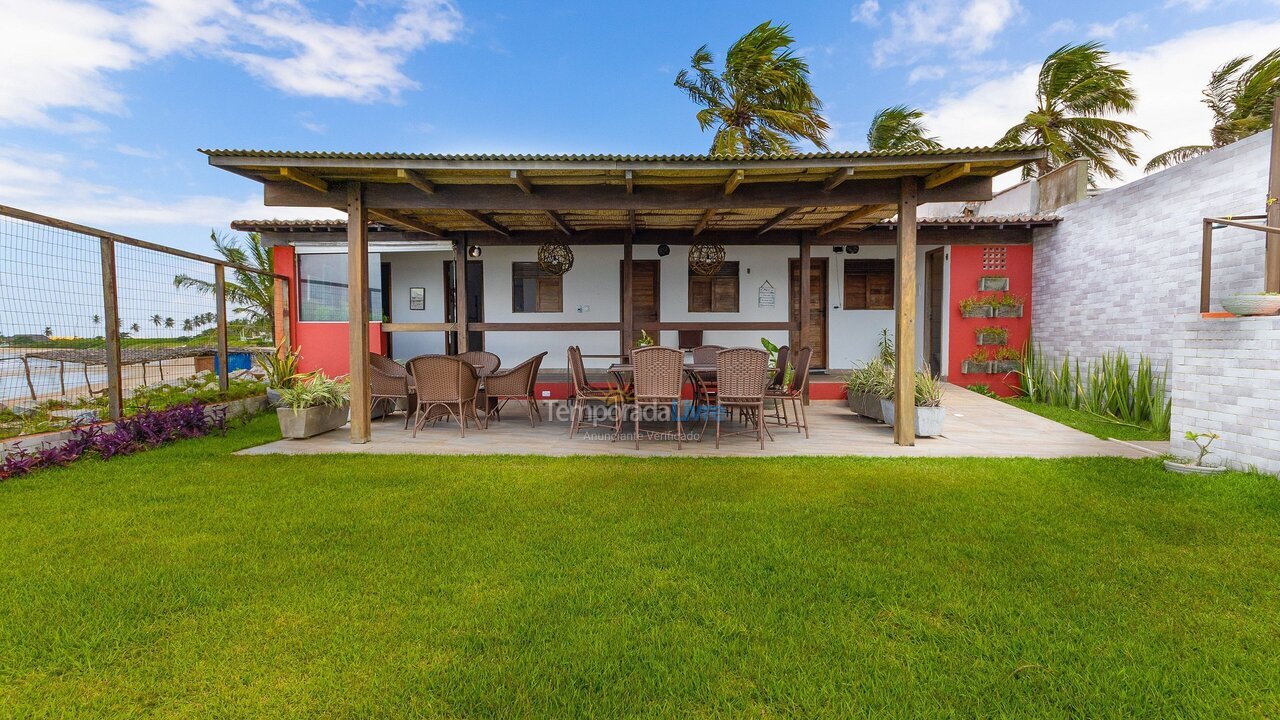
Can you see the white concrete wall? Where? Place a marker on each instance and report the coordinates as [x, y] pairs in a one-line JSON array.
[[1122, 270], [1226, 379], [416, 269]]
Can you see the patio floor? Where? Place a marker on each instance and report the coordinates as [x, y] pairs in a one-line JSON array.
[[976, 426]]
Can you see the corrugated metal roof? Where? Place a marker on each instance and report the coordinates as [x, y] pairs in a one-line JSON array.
[[963, 220], [603, 157]]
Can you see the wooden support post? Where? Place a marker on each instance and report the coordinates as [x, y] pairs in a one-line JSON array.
[[628, 299], [1206, 263], [223, 365], [904, 383], [803, 304], [111, 334], [460, 287], [1273, 205], [26, 368], [358, 312], [62, 378]]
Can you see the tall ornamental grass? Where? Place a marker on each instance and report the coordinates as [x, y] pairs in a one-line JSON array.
[[1109, 387]]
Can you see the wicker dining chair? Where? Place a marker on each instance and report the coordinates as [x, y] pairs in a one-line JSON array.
[[515, 384], [794, 392], [485, 362], [391, 384], [446, 386], [584, 394], [706, 354], [742, 375], [659, 382], [779, 377]]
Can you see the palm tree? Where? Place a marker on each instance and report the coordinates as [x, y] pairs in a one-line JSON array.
[[168, 323], [1076, 90], [135, 328], [761, 101], [157, 320], [252, 292], [899, 129], [188, 326], [1240, 96], [48, 331], [97, 318]]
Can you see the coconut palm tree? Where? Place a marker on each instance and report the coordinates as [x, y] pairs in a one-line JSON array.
[[1241, 96], [97, 318], [252, 292], [168, 323], [899, 129], [157, 320], [1077, 89], [135, 328], [761, 101]]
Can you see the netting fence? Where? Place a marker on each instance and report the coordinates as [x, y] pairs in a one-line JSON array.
[[95, 325]]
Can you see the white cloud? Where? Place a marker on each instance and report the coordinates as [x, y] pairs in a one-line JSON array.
[[1059, 27], [1107, 31], [132, 151], [926, 72], [61, 57], [868, 11], [1168, 77], [958, 26]]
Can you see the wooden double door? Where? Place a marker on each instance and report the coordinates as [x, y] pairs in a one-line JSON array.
[[816, 335], [646, 298]]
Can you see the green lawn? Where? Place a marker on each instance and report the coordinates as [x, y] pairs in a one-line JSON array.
[[1087, 422], [187, 582]]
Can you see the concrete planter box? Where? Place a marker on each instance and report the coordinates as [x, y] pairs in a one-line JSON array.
[[1251, 304], [978, 311], [969, 367], [1009, 312], [867, 405], [309, 422], [928, 419], [993, 283], [991, 338], [1006, 366]]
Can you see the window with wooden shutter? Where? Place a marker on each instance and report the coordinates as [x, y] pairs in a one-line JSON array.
[[714, 293], [868, 284], [534, 290]]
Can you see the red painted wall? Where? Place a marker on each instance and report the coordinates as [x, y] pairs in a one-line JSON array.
[[323, 345], [966, 271]]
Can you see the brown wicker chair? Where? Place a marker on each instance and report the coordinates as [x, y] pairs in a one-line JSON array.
[[446, 386], [780, 368], [742, 374], [584, 394], [659, 382], [485, 362], [391, 384], [515, 384], [706, 354], [794, 393]]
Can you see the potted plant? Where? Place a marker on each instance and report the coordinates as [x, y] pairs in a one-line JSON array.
[[998, 283], [975, 307], [866, 385], [1008, 305], [992, 335], [978, 362], [788, 373], [314, 404], [645, 339], [280, 372], [929, 410], [1007, 360], [1250, 304], [1197, 466]]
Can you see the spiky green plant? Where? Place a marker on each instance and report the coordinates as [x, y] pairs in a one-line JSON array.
[[900, 129]]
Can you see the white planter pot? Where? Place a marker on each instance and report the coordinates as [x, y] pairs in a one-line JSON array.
[[928, 419], [867, 405], [311, 421], [1186, 469]]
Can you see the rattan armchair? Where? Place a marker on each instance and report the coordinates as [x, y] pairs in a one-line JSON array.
[[391, 384], [793, 393], [706, 354], [515, 384], [485, 363], [584, 395], [659, 382], [446, 386], [742, 375]]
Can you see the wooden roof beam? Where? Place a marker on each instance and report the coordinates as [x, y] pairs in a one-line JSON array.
[[488, 222], [521, 182], [629, 180], [777, 220], [859, 214], [947, 174], [631, 221], [559, 222], [834, 179], [406, 221], [418, 180], [704, 221], [302, 177], [735, 179]]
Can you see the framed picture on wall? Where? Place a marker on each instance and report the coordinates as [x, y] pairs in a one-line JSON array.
[[417, 298]]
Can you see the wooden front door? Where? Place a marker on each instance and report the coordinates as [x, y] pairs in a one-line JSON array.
[[645, 297], [817, 336], [934, 309]]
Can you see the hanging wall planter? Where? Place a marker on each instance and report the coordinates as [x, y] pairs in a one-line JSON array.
[[993, 336], [555, 257], [993, 282], [706, 258], [976, 308]]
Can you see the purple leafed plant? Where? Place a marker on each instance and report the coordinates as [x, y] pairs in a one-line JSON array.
[[147, 429]]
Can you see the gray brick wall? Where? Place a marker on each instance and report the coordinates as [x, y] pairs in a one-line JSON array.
[[1123, 268]]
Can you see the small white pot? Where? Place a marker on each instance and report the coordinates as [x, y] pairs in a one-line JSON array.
[[928, 419], [1188, 469]]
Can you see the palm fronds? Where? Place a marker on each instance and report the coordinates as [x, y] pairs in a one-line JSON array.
[[900, 128]]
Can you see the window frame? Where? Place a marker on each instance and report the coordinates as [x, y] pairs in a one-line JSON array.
[[719, 276], [305, 290], [872, 271], [520, 272]]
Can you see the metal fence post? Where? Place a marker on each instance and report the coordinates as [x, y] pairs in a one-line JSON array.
[[111, 316], [222, 362]]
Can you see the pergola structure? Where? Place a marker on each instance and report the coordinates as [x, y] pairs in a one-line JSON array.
[[801, 200]]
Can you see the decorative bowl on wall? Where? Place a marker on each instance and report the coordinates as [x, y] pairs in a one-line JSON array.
[[1252, 304]]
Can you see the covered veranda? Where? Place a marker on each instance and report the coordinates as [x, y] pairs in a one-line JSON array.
[[798, 201]]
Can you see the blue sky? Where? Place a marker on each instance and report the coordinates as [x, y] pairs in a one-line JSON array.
[[103, 104]]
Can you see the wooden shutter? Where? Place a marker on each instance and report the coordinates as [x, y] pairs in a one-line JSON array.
[[868, 284], [543, 290], [550, 297], [714, 293]]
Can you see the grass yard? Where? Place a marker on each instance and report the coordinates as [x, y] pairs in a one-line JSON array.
[[1088, 422], [186, 582]]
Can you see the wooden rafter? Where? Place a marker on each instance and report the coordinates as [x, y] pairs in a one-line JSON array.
[[629, 180], [947, 174], [631, 221], [302, 177], [777, 220], [406, 221], [856, 215], [521, 182], [488, 222], [559, 222], [416, 179], [735, 179], [703, 221], [834, 179]]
